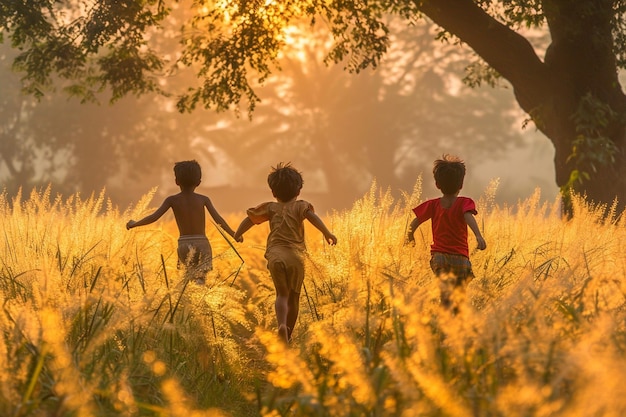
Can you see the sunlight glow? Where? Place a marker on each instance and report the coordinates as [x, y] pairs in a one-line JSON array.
[[296, 41]]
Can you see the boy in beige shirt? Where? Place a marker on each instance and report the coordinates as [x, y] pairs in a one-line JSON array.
[[285, 242]]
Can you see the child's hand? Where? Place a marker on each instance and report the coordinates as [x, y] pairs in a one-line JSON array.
[[130, 224], [410, 239], [481, 243], [331, 239], [238, 238]]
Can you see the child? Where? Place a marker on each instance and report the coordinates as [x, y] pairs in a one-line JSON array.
[[285, 243], [450, 215], [194, 250]]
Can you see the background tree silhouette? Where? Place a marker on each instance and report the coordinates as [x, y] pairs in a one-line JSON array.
[[343, 130], [86, 147], [385, 125], [572, 92]]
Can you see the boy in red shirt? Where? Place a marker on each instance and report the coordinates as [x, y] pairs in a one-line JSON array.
[[450, 215]]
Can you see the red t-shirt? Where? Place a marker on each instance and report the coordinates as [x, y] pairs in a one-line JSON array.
[[448, 225]]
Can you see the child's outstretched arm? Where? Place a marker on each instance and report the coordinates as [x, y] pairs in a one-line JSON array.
[[471, 222], [152, 217], [216, 216], [410, 236], [319, 225], [244, 226]]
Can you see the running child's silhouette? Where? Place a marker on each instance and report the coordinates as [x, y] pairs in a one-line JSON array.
[[194, 249], [285, 243], [450, 216]]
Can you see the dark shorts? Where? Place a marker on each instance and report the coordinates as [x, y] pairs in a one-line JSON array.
[[194, 252], [286, 267], [447, 263]]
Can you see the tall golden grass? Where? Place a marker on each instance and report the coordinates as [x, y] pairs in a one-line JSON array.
[[98, 321]]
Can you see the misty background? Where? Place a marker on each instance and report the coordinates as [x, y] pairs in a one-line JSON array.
[[343, 131]]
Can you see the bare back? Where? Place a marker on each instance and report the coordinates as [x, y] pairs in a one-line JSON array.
[[188, 208]]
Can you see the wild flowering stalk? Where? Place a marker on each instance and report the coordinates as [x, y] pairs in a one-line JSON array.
[[349, 322], [84, 299], [178, 404], [539, 331], [546, 290], [75, 393]]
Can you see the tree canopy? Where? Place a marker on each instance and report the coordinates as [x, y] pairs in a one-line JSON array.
[[570, 90]]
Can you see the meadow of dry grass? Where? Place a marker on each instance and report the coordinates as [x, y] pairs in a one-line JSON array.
[[97, 320]]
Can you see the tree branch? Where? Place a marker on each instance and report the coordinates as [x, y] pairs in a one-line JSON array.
[[502, 48]]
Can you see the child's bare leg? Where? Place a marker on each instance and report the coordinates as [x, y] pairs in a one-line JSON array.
[[292, 312], [281, 305], [446, 286], [282, 308]]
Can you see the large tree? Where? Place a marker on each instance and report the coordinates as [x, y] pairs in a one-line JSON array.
[[571, 92]]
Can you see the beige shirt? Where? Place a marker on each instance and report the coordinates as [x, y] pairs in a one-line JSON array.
[[286, 222]]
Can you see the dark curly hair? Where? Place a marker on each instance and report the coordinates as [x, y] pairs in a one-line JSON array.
[[449, 172], [285, 181], [188, 173]]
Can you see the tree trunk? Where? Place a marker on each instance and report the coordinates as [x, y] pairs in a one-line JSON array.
[[579, 65]]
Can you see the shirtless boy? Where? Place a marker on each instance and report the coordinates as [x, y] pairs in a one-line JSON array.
[[194, 249]]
